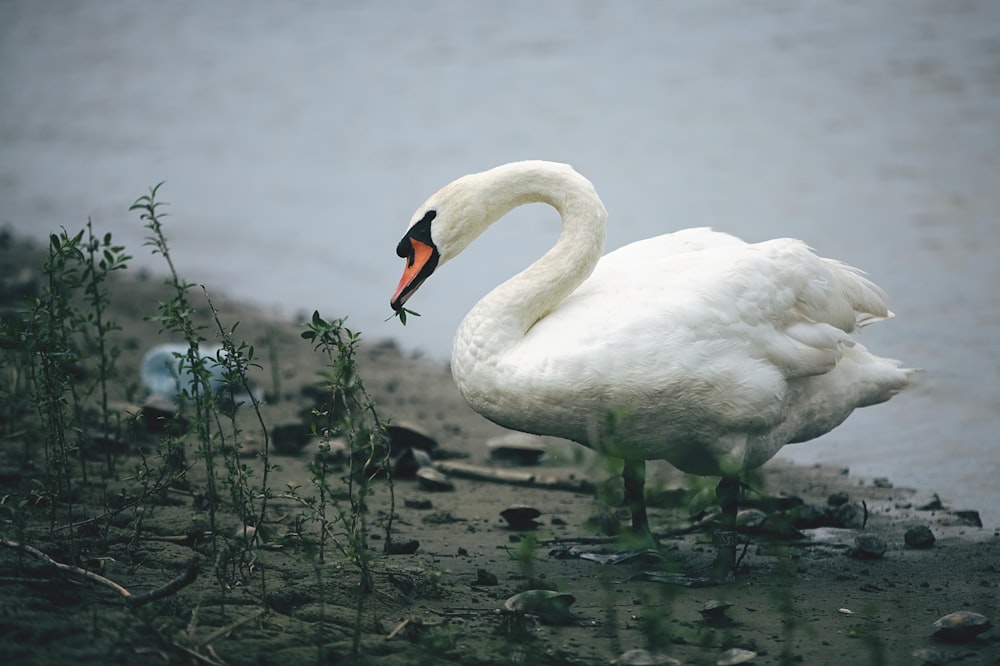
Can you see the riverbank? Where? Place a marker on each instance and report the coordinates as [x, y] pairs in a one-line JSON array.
[[801, 596]]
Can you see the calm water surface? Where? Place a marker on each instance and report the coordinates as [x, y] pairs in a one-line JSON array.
[[297, 138]]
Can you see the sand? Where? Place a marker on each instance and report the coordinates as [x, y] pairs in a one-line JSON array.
[[800, 595]]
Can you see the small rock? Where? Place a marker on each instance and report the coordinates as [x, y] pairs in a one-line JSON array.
[[715, 608], [160, 415], [409, 462], [517, 448], [734, 656], [484, 577], [961, 626], [247, 533], [919, 537], [868, 547], [882, 482], [521, 517], [548, 605], [807, 516], [750, 521], [406, 547], [404, 435], [290, 438], [431, 479], [968, 518], [848, 516], [640, 657], [838, 498]]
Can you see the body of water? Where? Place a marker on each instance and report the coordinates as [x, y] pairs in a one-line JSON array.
[[297, 138]]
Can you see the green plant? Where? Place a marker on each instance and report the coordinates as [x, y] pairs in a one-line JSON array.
[[102, 259], [236, 358], [51, 343], [351, 413], [177, 315]]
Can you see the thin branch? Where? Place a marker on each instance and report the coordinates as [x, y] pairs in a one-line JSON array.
[[77, 571], [132, 601]]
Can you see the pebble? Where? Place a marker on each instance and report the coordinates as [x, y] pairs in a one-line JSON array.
[[734, 656], [405, 547], [848, 516], [245, 532], [639, 657], [549, 606], [517, 448], [715, 608], [409, 462], [750, 521], [970, 518], [868, 547], [521, 517], [484, 577], [433, 480], [961, 626], [404, 435], [919, 537], [290, 438], [838, 499]]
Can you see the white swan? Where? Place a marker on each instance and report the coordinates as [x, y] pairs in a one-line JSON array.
[[708, 352]]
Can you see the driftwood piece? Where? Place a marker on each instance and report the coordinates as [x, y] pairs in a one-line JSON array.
[[132, 601], [514, 477]]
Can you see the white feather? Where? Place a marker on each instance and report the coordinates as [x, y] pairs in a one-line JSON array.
[[716, 352]]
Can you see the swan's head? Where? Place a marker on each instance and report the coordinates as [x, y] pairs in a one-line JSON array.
[[440, 230], [460, 211], [422, 257]]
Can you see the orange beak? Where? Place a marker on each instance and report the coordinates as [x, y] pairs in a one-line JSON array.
[[420, 263]]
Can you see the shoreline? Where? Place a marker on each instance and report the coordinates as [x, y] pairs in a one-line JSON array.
[[788, 603]]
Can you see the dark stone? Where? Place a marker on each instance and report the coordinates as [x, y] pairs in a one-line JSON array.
[[919, 537]]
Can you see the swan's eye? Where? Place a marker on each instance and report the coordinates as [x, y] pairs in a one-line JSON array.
[[420, 231], [405, 249]]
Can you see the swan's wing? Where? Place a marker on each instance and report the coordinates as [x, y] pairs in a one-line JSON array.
[[719, 350], [702, 306]]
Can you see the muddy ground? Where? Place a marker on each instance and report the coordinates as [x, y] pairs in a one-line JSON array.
[[800, 597]]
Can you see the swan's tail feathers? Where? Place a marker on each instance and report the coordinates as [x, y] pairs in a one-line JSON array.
[[856, 300], [865, 319], [882, 378]]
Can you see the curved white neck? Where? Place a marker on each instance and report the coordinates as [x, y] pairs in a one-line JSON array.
[[500, 320]]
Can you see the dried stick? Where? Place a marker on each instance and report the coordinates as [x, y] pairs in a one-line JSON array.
[[77, 571], [189, 575], [132, 601], [514, 477]]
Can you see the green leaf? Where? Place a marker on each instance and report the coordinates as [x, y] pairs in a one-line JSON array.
[[402, 314]]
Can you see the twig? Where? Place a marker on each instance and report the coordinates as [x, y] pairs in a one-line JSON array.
[[77, 571], [132, 601], [399, 628], [222, 631], [514, 478], [189, 575]]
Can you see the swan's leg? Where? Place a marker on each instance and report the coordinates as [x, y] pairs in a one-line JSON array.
[[723, 569], [634, 476], [728, 492]]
